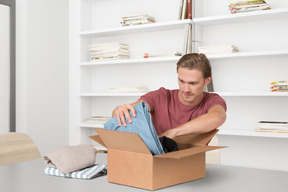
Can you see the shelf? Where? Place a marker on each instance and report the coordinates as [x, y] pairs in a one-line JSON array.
[[253, 94], [239, 55], [243, 17], [250, 133], [223, 94], [111, 94], [131, 61], [161, 26]]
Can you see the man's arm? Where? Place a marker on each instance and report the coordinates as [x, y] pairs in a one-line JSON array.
[[122, 111], [207, 122]]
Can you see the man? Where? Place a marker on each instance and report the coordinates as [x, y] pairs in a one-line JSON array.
[[187, 110]]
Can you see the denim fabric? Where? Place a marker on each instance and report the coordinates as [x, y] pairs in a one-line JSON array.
[[142, 124]]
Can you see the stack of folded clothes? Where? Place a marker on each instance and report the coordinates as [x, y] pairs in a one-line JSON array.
[[218, 49], [74, 162]]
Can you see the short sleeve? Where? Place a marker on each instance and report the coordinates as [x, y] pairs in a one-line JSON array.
[[215, 99], [153, 98]]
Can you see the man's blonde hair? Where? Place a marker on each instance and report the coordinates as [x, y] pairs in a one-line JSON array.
[[195, 61]]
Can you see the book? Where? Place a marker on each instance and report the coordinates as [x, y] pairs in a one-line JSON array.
[[272, 126], [137, 20], [108, 51], [184, 10], [279, 86], [96, 119], [104, 58], [189, 9], [284, 83], [187, 39], [247, 6], [180, 9]]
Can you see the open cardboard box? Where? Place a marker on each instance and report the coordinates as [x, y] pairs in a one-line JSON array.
[[131, 163]]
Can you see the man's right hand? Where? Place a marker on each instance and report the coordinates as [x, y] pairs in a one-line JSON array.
[[122, 111]]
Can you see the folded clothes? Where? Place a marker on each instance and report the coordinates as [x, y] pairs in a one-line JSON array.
[[142, 124], [70, 158], [88, 173]]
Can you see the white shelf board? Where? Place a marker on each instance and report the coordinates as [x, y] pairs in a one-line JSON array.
[[250, 133], [253, 94], [111, 94], [239, 55], [161, 26], [227, 94], [253, 16], [131, 61], [90, 125]]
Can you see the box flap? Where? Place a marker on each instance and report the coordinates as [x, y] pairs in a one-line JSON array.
[[122, 141], [187, 152], [188, 141], [98, 140]]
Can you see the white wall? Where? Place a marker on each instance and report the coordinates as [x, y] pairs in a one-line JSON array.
[[42, 71]]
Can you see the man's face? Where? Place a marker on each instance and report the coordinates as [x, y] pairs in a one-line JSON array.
[[191, 83]]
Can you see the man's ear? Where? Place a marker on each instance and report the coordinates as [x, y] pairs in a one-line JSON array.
[[207, 80]]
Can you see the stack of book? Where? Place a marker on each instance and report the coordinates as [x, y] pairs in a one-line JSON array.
[[108, 51], [185, 9], [247, 6], [279, 86], [96, 119], [137, 20], [218, 49], [272, 126], [128, 89]]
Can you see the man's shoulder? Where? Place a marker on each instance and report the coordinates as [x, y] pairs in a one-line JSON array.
[[167, 91], [214, 99]]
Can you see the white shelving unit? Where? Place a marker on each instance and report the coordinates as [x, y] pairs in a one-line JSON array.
[[88, 32], [90, 80], [242, 79]]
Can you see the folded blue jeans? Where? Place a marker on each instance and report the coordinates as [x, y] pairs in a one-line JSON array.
[[142, 124]]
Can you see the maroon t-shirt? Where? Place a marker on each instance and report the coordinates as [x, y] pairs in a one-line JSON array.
[[168, 112]]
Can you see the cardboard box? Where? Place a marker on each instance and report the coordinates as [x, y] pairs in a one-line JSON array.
[[131, 163]]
